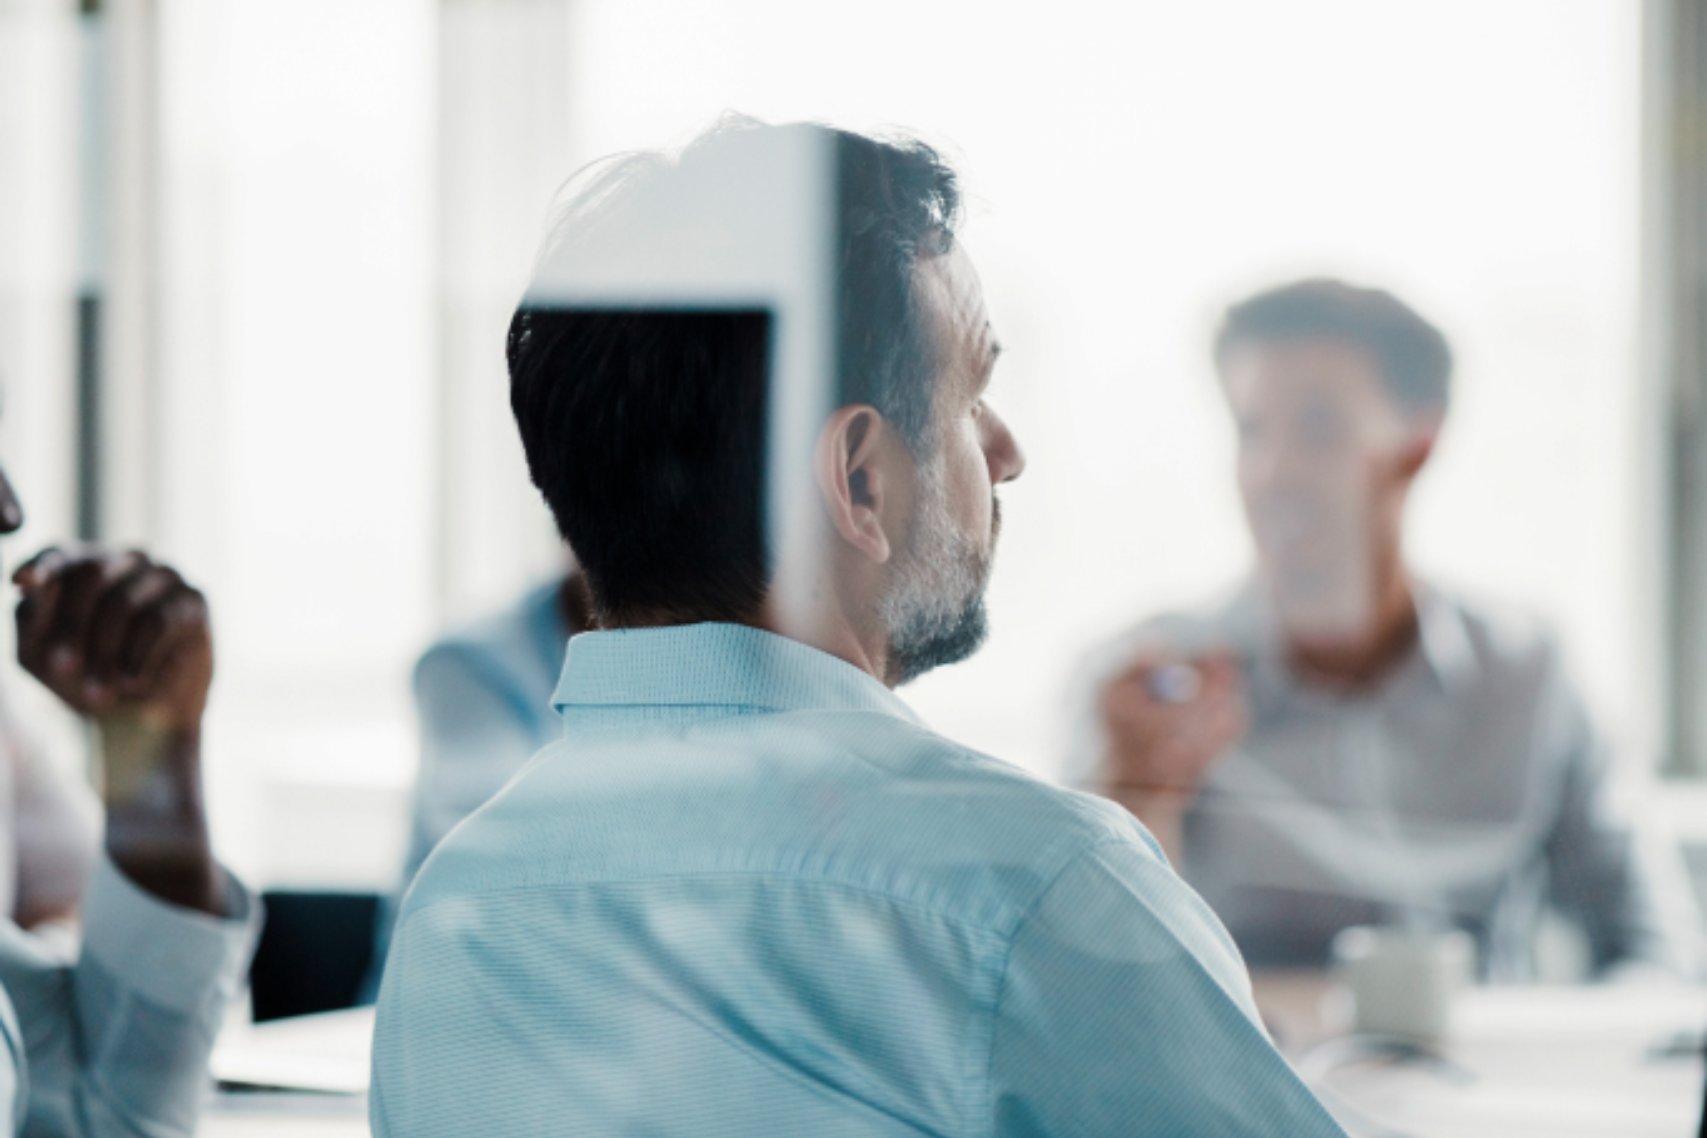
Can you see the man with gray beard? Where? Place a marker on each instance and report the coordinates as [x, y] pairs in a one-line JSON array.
[[935, 609], [749, 893]]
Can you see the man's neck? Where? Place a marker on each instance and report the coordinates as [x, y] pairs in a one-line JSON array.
[[831, 632], [575, 603], [1362, 662]]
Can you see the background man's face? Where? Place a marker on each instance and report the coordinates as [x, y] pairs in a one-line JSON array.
[[935, 609], [1322, 474]]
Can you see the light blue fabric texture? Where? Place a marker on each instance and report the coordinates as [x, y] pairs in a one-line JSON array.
[[748, 894], [483, 698], [110, 1039]]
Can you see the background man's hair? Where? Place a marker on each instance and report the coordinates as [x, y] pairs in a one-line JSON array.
[[1414, 357], [646, 429]]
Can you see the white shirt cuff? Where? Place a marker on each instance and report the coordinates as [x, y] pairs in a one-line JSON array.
[[175, 957]]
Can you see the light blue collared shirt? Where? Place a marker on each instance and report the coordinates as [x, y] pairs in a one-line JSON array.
[[748, 894]]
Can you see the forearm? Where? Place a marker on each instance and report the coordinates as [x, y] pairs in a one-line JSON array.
[[157, 833]]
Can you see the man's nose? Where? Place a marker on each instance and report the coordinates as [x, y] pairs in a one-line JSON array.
[[1007, 460]]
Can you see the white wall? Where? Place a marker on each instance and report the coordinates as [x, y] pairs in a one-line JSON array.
[[1133, 168], [297, 410], [39, 158]]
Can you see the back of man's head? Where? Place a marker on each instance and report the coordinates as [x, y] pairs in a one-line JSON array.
[[648, 428], [1413, 356]]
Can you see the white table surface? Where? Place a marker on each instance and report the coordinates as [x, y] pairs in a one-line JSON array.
[[1554, 1062], [326, 1056], [275, 1114], [1523, 1061]]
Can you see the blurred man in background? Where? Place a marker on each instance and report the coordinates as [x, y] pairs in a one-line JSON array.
[[1342, 742], [748, 893], [108, 1032]]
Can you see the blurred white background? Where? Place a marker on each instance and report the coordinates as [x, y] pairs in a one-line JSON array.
[[347, 198]]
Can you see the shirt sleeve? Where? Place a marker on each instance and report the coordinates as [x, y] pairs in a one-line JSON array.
[[1610, 876], [117, 1036], [11, 1066], [1125, 1009]]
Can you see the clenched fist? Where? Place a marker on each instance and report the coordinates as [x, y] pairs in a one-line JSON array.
[[116, 633]]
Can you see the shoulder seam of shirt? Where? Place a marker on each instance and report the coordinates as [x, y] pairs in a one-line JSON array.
[[998, 932], [1068, 863]]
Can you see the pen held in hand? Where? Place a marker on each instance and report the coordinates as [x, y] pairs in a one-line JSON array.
[[1174, 683]]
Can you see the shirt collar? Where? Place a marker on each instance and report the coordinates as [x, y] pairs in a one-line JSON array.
[[1442, 637], [1444, 648], [714, 665]]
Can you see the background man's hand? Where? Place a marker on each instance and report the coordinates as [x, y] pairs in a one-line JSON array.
[[116, 633], [122, 639], [1165, 722]]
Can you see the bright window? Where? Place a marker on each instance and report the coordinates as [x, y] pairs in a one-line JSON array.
[[350, 195]]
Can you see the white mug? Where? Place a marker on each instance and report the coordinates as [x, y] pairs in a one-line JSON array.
[[1403, 981]]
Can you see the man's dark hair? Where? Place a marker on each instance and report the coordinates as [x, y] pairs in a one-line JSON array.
[[1415, 359], [646, 430]]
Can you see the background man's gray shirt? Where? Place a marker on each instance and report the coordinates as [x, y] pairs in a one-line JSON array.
[[1469, 787]]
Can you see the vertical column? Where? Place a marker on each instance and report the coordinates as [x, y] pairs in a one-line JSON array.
[[121, 292], [1673, 321]]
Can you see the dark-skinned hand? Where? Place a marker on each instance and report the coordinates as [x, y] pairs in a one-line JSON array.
[[116, 633]]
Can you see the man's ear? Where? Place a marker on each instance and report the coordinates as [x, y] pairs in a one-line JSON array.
[[1424, 432], [852, 480]]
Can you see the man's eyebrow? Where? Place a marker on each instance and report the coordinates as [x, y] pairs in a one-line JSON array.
[[992, 351]]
